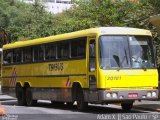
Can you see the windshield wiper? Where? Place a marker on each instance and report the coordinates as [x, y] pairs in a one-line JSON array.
[[117, 60], [119, 63], [124, 57]]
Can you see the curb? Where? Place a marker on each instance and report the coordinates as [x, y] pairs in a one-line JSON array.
[[146, 108], [5, 99]]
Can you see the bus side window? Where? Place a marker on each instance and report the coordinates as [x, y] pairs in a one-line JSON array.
[[92, 62], [38, 52], [50, 51], [27, 54], [7, 56], [63, 50], [78, 48], [17, 55]]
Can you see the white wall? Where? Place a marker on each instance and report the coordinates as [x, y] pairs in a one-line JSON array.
[[54, 6]]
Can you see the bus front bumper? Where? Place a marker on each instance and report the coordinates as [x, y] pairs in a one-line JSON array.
[[124, 95]]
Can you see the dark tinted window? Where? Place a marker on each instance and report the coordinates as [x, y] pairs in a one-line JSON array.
[[50, 51], [78, 47], [38, 53], [17, 55], [27, 54], [63, 50], [92, 56], [7, 57]]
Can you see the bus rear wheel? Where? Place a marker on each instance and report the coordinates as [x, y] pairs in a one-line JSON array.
[[29, 97], [20, 94], [127, 106], [81, 104]]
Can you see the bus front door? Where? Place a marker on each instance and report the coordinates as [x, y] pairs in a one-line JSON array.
[[92, 71]]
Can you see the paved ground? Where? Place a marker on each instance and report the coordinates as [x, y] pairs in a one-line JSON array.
[[45, 111], [5, 97], [148, 105], [143, 105]]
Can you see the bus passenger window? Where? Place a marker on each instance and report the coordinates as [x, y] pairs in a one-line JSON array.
[[78, 48], [38, 53], [50, 51], [7, 56], [27, 54], [17, 55], [63, 50], [92, 62]]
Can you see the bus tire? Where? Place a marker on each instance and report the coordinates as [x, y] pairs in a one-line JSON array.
[[127, 106], [81, 104], [29, 97], [20, 95]]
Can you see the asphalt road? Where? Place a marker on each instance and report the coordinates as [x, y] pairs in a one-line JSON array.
[[44, 110]]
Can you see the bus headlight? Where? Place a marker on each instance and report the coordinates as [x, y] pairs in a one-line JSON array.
[[154, 94], [108, 95], [149, 94], [114, 95], [143, 96]]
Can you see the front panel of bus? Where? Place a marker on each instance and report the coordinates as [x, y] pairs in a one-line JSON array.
[[127, 68]]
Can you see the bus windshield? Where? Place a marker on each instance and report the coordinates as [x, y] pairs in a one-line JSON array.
[[126, 52]]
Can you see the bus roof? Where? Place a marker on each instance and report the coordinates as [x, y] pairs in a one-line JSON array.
[[82, 33]]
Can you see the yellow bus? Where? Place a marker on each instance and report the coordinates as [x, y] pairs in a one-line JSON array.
[[97, 66]]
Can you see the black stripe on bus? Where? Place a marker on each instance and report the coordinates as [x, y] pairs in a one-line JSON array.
[[61, 88], [68, 75], [45, 61]]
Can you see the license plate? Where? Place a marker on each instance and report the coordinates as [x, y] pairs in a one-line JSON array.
[[132, 95]]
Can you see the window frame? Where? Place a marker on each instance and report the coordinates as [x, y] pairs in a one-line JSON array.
[[39, 57], [63, 48], [11, 61], [78, 40], [54, 43], [51, 44], [17, 50], [31, 57]]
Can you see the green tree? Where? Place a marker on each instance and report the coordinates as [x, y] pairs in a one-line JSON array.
[[25, 21]]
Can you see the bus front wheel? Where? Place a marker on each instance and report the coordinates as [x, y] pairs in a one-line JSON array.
[[127, 106], [29, 97], [20, 94], [81, 104]]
